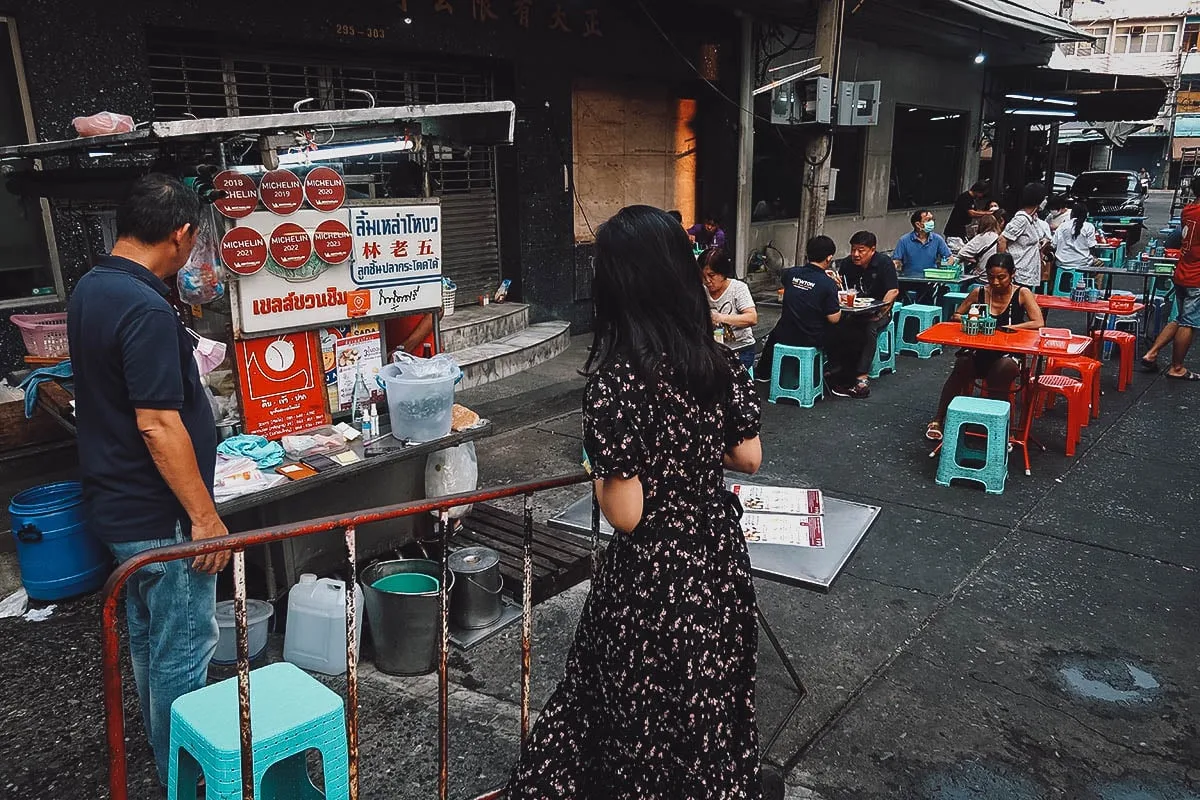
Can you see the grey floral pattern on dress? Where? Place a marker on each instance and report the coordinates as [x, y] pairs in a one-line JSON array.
[[658, 696]]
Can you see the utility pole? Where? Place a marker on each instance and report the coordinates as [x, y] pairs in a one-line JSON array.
[[1169, 156], [745, 168], [831, 16]]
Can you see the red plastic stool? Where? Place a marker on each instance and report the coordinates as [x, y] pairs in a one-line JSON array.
[[1126, 344], [1077, 403], [1089, 375]]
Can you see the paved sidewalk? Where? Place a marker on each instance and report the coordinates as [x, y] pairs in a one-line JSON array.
[[1038, 644]]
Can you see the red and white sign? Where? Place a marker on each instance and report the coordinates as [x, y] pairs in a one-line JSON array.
[[282, 384], [241, 195], [243, 251], [332, 241], [269, 300], [324, 189], [281, 192], [290, 245]]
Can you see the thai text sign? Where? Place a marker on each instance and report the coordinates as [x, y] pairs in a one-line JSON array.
[[316, 293], [396, 245]]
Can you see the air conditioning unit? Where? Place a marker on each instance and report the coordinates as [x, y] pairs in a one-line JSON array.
[[858, 102], [803, 102]]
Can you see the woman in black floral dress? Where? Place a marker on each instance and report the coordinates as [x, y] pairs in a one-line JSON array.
[[658, 696]]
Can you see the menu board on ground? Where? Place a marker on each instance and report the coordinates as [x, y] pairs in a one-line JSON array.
[[783, 529], [780, 500], [281, 384]]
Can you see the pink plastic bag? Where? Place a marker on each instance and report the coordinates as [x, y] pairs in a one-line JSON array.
[[102, 123]]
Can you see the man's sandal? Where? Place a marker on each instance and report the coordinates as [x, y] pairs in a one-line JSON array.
[[1187, 376]]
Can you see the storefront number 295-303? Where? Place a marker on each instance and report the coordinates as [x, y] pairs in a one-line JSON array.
[[366, 33]]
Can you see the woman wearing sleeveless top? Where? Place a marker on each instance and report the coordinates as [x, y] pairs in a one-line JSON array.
[[657, 700], [1012, 306]]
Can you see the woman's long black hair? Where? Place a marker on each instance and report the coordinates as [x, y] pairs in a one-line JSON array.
[[651, 306], [1079, 213]]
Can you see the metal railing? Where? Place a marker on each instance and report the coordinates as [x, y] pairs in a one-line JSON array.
[[238, 542]]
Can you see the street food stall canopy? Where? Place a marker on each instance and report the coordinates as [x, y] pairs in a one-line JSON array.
[[1098, 97], [463, 123], [1005, 12]]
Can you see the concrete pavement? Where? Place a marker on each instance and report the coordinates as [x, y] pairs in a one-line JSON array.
[[1038, 644]]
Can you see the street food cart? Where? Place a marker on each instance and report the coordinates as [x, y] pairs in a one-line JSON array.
[[318, 243]]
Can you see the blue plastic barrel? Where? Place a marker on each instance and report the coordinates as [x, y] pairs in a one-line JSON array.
[[57, 555]]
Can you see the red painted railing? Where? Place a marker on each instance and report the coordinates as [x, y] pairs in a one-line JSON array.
[[238, 542]]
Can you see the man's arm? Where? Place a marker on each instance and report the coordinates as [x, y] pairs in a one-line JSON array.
[[171, 448], [155, 381]]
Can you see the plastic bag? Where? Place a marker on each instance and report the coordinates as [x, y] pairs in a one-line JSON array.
[[440, 366], [202, 278], [236, 476], [451, 471], [103, 123]]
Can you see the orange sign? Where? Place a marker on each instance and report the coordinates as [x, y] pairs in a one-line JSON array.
[[282, 384], [358, 303]]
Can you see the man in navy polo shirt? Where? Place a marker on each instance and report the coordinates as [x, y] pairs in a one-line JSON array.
[[147, 444], [921, 249], [810, 308]]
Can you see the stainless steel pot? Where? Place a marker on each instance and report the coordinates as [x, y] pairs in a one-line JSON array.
[[475, 599]]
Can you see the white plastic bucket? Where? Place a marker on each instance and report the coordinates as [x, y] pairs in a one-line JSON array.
[[419, 408], [258, 612]]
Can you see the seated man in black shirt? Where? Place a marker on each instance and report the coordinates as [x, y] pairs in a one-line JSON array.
[[810, 305], [871, 274]]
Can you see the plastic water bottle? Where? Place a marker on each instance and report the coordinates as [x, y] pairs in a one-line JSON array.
[[359, 397]]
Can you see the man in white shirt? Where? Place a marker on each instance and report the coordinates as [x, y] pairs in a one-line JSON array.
[[1024, 237]]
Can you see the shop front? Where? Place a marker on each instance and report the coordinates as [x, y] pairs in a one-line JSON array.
[[303, 287], [510, 213]]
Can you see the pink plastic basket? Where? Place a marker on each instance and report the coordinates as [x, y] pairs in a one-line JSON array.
[[45, 335]]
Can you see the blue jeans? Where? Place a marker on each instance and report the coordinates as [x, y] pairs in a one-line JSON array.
[[171, 613]]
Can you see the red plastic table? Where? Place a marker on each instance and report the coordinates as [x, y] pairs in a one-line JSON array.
[[1026, 343]]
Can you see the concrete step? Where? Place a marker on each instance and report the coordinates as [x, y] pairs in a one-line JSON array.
[[473, 325], [490, 361]]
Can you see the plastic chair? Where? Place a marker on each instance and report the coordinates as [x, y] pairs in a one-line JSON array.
[[950, 303], [1089, 376], [885, 352], [810, 378], [1077, 399], [992, 415], [1126, 344], [1064, 282], [924, 317], [290, 714]]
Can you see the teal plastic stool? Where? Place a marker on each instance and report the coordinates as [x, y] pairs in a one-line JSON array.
[[290, 714], [1064, 282], [885, 352], [988, 466], [921, 317], [810, 374], [950, 303]]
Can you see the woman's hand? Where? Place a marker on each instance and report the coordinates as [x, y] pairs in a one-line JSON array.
[[718, 319]]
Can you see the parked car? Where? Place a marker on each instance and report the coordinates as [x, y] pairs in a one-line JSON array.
[[1111, 193], [1063, 181]]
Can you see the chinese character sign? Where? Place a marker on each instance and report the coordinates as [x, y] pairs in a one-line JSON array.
[[396, 245]]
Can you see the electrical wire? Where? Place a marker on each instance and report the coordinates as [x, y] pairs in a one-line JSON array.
[[716, 89]]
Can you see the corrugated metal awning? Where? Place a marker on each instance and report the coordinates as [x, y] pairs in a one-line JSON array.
[[1010, 12]]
